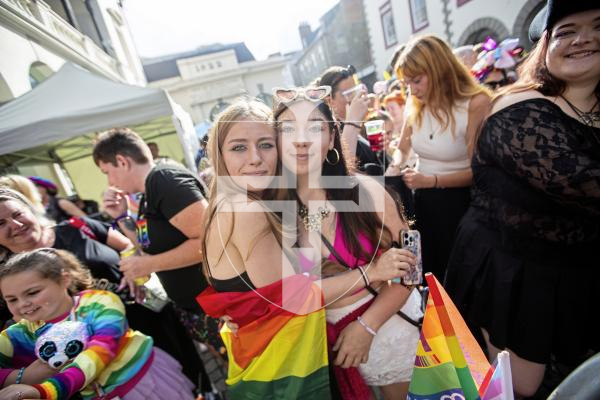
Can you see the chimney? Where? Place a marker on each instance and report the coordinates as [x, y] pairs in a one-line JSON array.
[[305, 34]]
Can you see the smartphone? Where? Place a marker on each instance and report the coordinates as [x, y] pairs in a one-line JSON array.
[[411, 240]]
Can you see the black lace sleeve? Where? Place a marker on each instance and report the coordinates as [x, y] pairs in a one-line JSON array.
[[545, 149]]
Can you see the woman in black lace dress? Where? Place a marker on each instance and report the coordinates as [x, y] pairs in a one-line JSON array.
[[524, 267]]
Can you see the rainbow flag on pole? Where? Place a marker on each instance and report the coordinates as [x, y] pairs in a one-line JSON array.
[[449, 361], [280, 350], [497, 384]]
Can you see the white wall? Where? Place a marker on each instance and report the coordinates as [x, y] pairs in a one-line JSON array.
[[506, 11], [269, 78], [122, 41], [197, 93], [21, 54]]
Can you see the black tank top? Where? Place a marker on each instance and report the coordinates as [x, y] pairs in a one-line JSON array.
[[239, 283]]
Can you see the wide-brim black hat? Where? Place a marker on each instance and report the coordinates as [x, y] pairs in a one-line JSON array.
[[554, 11]]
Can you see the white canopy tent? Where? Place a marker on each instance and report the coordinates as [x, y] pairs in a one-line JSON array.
[[57, 121]]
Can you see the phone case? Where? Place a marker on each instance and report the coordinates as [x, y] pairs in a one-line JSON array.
[[411, 240]]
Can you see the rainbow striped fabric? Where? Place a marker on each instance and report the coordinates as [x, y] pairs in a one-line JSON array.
[[280, 350], [113, 356], [449, 362]]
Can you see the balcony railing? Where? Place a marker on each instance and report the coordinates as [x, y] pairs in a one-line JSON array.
[[39, 14]]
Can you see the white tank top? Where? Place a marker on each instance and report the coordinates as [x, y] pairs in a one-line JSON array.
[[439, 151]]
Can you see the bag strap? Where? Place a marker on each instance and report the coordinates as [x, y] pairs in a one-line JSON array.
[[332, 250]]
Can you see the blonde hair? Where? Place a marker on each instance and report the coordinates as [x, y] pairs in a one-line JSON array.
[[8, 194], [449, 81], [24, 186], [240, 111], [50, 264]]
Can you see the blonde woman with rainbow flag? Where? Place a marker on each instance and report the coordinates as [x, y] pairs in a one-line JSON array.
[[279, 350]]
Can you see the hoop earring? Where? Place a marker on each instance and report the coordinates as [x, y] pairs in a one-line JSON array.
[[337, 153]]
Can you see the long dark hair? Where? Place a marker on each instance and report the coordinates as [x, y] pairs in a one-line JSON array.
[[364, 223]]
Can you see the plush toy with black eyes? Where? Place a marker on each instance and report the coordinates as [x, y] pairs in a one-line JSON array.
[[61, 343]]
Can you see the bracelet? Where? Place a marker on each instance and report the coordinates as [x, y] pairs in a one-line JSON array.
[[364, 276], [367, 327], [120, 218], [354, 124], [435, 185], [20, 376]]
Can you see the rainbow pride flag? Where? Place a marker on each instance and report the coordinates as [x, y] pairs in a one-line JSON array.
[[497, 384], [449, 362], [280, 350]]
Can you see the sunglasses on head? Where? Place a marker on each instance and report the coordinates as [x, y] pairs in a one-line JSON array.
[[286, 95]]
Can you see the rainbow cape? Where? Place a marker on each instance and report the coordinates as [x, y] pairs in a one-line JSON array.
[[278, 352], [449, 362]]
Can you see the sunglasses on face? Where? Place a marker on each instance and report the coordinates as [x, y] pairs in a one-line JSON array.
[[318, 93]]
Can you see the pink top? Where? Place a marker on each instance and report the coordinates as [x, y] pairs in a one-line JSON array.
[[343, 250]]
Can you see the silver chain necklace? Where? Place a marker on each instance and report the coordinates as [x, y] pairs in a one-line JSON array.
[[589, 117], [312, 222]]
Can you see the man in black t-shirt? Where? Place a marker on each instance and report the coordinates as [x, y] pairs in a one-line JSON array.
[[168, 226]]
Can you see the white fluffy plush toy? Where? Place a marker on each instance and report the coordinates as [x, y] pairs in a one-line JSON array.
[[61, 343]]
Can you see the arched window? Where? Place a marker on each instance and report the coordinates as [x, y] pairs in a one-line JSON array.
[[38, 72], [481, 28]]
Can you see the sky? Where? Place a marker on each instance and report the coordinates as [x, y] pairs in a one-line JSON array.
[[162, 27]]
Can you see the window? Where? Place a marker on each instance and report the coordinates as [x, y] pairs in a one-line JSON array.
[[219, 65], [38, 72], [418, 14], [211, 66], [387, 25]]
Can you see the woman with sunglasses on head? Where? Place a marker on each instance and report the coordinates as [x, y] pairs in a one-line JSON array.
[[250, 277], [524, 266], [370, 344], [447, 107]]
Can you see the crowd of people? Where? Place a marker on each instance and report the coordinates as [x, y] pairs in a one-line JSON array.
[[287, 265]]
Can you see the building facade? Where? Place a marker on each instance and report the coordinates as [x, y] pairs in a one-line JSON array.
[[393, 22], [340, 39], [206, 80], [40, 36]]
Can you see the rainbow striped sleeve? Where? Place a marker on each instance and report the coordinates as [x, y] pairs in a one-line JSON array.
[[105, 315], [280, 351]]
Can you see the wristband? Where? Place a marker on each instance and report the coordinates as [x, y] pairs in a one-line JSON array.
[[364, 276], [367, 327], [20, 376], [354, 124], [121, 217]]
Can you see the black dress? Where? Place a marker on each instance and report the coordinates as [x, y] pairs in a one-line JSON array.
[[525, 261]]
